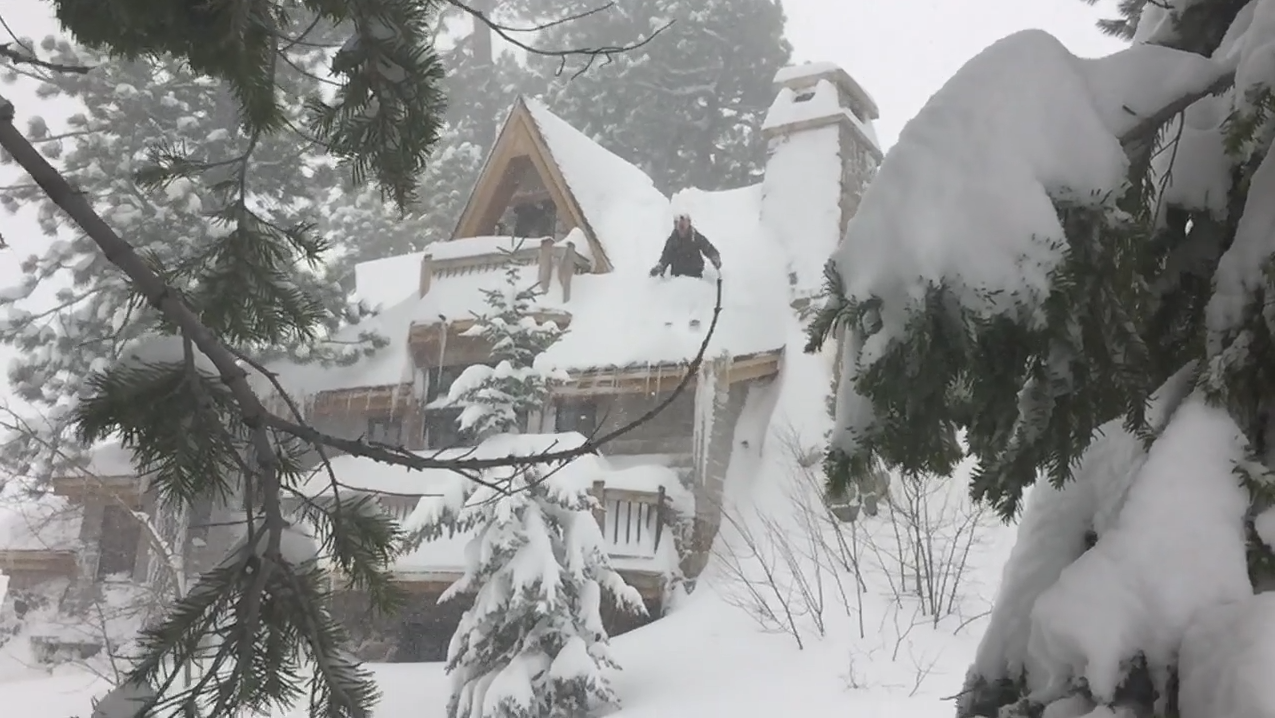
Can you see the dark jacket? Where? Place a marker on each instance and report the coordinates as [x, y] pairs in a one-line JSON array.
[[685, 255]]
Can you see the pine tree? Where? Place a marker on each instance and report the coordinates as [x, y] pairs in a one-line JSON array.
[[480, 87], [1131, 369], [134, 149], [688, 106], [215, 182], [243, 282], [500, 399], [533, 644]]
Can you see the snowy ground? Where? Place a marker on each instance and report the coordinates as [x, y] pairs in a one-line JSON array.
[[878, 654], [708, 658]]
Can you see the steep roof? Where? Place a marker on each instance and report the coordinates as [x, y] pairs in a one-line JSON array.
[[588, 184]]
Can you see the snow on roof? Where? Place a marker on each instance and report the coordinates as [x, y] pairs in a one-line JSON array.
[[623, 318], [627, 318], [110, 459], [619, 319], [619, 201], [388, 281], [47, 523], [805, 70], [964, 198]]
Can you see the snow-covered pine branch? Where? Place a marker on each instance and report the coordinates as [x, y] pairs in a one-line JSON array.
[[1080, 284]]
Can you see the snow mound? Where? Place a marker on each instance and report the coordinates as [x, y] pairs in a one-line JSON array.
[[1225, 662], [1176, 548], [965, 198]]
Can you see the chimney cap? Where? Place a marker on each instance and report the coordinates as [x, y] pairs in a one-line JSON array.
[[807, 75]]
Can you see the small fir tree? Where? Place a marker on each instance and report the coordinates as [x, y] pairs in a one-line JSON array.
[[533, 644], [499, 399]]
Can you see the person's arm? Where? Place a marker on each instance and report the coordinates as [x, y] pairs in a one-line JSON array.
[[708, 250], [666, 258]]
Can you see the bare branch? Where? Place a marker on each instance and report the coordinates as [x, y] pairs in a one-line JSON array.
[[1149, 125], [20, 58], [607, 52]]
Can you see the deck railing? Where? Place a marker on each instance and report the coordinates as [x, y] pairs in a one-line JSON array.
[[632, 522]]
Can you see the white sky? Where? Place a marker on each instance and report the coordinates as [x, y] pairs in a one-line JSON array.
[[901, 51]]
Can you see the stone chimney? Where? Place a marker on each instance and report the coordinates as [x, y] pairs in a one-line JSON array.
[[823, 153]]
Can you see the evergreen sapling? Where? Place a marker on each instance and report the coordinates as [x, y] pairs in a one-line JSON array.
[[533, 644]]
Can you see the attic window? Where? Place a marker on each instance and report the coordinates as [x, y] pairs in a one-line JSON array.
[[534, 219], [804, 95]]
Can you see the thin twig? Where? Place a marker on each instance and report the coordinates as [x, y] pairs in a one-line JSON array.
[[18, 58], [592, 53]]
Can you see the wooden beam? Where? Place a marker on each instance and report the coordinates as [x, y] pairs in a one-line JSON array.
[[425, 339], [38, 562], [78, 488], [639, 380]]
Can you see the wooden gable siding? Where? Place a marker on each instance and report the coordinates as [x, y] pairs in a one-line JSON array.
[[519, 149]]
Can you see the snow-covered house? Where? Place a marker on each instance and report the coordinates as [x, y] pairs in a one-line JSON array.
[[586, 226]]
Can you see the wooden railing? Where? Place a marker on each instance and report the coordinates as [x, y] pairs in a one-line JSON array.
[[632, 522]]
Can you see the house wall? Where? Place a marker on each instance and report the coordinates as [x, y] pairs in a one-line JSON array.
[[668, 433]]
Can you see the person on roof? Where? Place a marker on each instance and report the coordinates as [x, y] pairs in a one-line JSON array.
[[685, 251]]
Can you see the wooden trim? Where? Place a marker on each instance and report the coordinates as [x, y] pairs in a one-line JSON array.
[[662, 377], [38, 562], [520, 137], [632, 496], [77, 489], [377, 400], [398, 400]]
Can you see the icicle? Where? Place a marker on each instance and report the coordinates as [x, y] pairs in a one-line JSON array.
[[442, 341]]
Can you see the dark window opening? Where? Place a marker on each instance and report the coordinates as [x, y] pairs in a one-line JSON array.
[[804, 96], [385, 430], [442, 429], [117, 544], [534, 219], [441, 380], [580, 415]]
